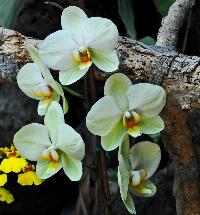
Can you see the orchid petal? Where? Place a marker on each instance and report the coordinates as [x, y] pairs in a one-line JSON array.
[[135, 131], [145, 155], [112, 140], [103, 116], [70, 142], [117, 86], [123, 177], [45, 168], [72, 167], [71, 74], [43, 106], [144, 189], [100, 34], [56, 50], [128, 202], [31, 140], [28, 77], [151, 125], [72, 20], [146, 99], [53, 118], [107, 62]]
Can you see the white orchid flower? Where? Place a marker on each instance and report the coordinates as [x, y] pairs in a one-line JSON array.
[[136, 166], [53, 145], [82, 41], [126, 108], [35, 80]]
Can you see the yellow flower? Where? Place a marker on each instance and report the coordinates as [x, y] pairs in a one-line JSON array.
[[6, 196], [3, 179], [28, 178], [12, 164]]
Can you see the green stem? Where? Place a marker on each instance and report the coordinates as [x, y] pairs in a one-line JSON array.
[[105, 183], [72, 92], [55, 5]]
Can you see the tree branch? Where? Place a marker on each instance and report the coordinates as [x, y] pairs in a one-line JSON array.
[[171, 24], [178, 142], [178, 74]]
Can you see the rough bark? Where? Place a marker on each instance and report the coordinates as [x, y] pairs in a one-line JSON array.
[[171, 24], [177, 73], [178, 142]]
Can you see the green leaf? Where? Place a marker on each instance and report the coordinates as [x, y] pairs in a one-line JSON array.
[[125, 10], [9, 11], [163, 6], [148, 41]]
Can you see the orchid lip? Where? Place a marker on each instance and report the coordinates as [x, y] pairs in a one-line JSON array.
[[42, 90], [138, 176], [50, 154], [81, 55], [130, 119]]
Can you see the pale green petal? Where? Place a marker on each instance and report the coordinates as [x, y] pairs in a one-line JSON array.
[[124, 148], [135, 131], [55, 96], [28, 77], [112, 140], [107, 62], [43, 106], [123, 177], [44, 70], [56, 49], [130, 204], [145, 189], [34, 53], [45, 168], [145, 155], [72, 167], [50, 80], [31, 140], [53, 118], [70, 142], [71, 74], [65, 105], [72, 20], [151, 125], [117, 86], [100, 34], [103, 116], [146, 99]]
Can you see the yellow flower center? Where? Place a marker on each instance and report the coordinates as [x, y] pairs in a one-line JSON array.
[[138, 177], [50, 154], [81, 54], [130, 119], [42, 91]]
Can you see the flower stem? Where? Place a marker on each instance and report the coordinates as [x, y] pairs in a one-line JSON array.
[[104, 177], [72, 92], [55, 5]]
